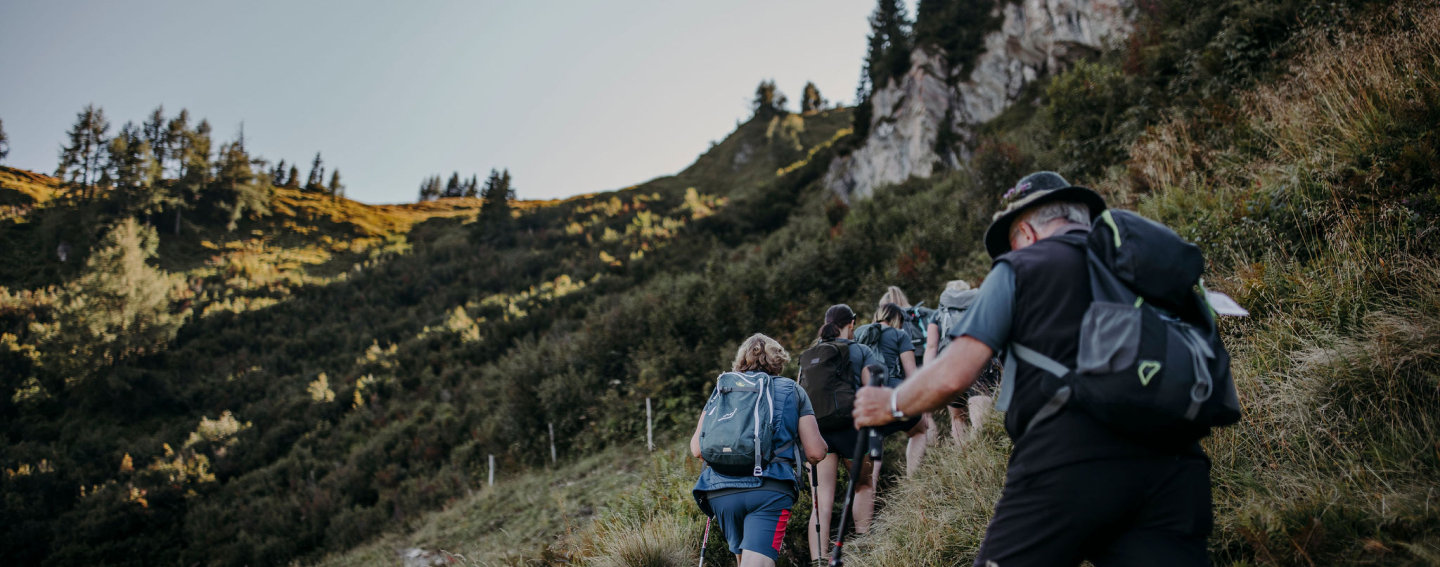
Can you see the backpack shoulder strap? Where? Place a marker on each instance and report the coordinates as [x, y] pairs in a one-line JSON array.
[[1062, 395]]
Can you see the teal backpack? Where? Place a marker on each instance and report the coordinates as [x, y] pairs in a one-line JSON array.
[[870, 335], [738, 434]]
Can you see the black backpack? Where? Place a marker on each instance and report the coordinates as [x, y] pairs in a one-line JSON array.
[[826, 376], [1151, 364]]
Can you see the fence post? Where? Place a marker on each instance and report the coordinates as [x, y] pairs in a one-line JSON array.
[[649, 427], [552, 442], [492, 470]]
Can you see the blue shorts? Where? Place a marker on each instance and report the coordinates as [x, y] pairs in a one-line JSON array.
[[754, 520]]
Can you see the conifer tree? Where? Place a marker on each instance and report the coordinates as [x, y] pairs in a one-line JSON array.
[[430, 188], [337, 190], [4, 142], [811, 101], [452, 187], [81, 160], [176, 131], [957, 29], [235, 191], [293, 181], [133, 171], [157, 135], [193, 155], [277, 175], [768, 99], [496, 223], [117, 309], [890, 43], [472, 187], [317, 175]]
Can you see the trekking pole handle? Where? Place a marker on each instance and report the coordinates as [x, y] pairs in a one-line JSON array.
[[863, 444]]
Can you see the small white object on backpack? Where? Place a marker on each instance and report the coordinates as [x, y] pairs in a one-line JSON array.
[[1224, 305]]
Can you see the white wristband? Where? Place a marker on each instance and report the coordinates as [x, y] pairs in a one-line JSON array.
[[895, 404]]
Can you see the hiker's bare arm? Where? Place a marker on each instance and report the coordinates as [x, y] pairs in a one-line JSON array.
[[695, 439], [907, 362], [932, 341], [865, 375], [934, 386], [815, 446]]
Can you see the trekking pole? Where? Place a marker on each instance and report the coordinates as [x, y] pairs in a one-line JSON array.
[[705, 540], [867, 442], [815, 509]]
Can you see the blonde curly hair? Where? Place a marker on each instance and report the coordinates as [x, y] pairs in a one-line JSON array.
[[761, 353]]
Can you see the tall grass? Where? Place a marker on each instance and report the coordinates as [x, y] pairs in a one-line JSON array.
[[1315, 204]]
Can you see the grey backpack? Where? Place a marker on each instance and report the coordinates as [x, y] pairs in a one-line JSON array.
[[737, 437]]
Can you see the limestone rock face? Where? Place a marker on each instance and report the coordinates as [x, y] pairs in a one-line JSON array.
[[1037, 37]]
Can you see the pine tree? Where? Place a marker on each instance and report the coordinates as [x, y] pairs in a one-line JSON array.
[[452, 187], [157, 135], [890, 44], [496, 223], [811, 101], [337, 190], [293, 182], [277, 175], [175, 133], [317, 175], [956, 28], [133, 171], [193, 164], [472, 187], [235, 191], [82, 159], [430, 188], [4, 141], [117, 309], [768, 99]]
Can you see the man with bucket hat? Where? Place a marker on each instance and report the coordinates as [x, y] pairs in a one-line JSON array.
[[1076, 489]]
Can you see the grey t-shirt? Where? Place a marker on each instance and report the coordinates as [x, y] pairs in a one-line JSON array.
[[988, 321]]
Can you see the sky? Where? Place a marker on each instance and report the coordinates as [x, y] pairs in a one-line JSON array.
[[572, 97]]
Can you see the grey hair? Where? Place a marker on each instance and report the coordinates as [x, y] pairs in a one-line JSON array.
[[1072, 212], [957, 285]]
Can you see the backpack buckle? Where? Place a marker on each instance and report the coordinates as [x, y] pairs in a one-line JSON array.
[[758, 470]]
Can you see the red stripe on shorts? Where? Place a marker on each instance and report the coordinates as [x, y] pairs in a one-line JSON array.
[[780, 529]]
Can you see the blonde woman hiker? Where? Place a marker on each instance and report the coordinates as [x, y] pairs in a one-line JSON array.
[[973, 405], [750, 491], [917, 320], [885, 337]]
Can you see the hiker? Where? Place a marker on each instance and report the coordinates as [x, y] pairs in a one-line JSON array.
[[1105, 417], [831, 370], [885, 337], [752, 502], [916, 319], [975, 403]]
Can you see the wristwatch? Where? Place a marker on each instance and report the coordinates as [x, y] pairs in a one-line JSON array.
[[894, 404]]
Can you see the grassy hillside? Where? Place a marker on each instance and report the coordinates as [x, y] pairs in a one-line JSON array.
[[339, 374], [336, 368], [1313, 197]]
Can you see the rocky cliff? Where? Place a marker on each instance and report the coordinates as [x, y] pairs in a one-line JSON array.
[[1036, 37]]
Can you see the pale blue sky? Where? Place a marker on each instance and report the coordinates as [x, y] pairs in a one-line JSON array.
[[573, 97]]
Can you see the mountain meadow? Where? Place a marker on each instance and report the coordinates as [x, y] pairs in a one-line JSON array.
[[207, 360]]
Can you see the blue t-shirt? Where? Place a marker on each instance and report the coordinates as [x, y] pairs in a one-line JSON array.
[[791, 404]]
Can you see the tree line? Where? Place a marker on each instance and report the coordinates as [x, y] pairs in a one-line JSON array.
[[165, 166]]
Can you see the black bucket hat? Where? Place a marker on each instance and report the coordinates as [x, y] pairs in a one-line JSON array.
[[1036, 189]]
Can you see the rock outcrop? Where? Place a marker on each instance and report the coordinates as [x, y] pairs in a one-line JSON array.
[[1036, 37]]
